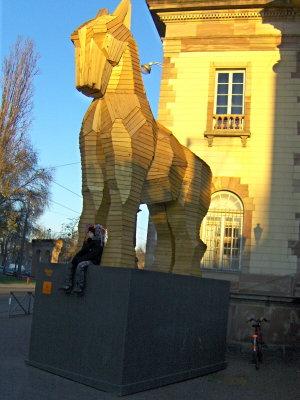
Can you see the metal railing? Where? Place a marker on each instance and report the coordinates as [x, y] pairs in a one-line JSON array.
[[20, 303]]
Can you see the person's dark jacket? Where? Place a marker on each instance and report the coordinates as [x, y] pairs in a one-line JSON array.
[[90, 251]]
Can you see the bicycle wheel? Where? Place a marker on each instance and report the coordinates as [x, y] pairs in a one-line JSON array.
[[255, 359], [259, 352]]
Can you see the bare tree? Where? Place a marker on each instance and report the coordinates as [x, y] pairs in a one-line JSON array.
[[69, 234], [24, 187], [18, 72], [18, 160]]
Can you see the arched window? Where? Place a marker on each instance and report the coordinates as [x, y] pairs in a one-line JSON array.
[[222, 232]]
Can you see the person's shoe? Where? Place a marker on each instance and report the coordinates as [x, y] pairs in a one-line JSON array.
[[66, 288], [78, 290]]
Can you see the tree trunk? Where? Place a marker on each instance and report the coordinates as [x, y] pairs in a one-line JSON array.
[[5, 253], [21, 253]]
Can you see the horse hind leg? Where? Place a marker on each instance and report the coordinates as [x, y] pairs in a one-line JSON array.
[[189, 249], [186, 213]]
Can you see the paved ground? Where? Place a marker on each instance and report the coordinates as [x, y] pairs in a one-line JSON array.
[[278, 378]]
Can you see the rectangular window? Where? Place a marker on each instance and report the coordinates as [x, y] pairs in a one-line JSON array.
[[229, 98], [230, 90]]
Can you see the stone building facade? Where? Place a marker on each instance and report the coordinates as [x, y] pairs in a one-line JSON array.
[[230, 92]]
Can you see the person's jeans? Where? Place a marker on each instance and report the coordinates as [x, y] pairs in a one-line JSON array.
[[80, 274]]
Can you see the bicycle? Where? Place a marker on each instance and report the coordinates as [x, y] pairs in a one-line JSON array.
[[257, 341]]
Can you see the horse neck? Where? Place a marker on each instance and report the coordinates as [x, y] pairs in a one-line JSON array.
[[126, 77]]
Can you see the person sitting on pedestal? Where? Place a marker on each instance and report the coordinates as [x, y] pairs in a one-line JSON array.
[[90, 253]]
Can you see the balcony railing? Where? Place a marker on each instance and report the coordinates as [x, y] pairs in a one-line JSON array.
[[229, 125], [234, 122]]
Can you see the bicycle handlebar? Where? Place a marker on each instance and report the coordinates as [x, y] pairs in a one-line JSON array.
[[259, 320]]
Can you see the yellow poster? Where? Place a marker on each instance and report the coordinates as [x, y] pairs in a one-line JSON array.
[[47, 287]]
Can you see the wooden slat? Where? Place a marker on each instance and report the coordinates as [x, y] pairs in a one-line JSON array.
[[127, 157]]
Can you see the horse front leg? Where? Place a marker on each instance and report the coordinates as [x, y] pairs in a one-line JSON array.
[[119, 250], [127, 163], [121, 221], [92, 183]]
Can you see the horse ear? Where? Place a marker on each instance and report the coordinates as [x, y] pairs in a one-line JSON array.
[[123, 11], [102, 11]]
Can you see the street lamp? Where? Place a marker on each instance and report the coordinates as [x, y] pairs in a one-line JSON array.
[[146, 68]]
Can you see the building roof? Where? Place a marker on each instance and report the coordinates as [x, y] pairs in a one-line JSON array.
[[158, 7], [171, 5]]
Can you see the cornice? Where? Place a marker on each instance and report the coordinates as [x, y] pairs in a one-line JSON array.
[[227, 14], [157, 6]]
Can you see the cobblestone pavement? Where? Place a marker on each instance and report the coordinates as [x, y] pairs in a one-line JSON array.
[[277, 379]]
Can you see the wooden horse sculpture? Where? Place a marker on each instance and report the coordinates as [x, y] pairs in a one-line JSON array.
[[128, 158]]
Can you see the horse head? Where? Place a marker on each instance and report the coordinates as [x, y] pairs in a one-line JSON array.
[[99, 45]]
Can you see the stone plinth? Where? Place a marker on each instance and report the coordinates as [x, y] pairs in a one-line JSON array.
[[132, 330]]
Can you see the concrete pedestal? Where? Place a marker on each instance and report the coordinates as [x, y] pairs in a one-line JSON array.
[[132, 330]]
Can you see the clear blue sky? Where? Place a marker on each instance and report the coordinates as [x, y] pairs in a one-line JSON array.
[[58, 107]]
